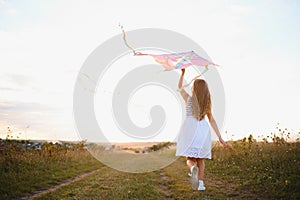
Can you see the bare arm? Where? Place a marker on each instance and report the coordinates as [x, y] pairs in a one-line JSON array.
[[214, 125], [183, 93]]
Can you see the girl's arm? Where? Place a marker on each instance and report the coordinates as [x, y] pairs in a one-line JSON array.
[[183, 93], [214, 125]]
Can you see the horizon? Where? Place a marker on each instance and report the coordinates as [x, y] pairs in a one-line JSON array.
[[289, 138]]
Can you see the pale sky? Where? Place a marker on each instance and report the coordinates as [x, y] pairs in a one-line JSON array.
[[43, 45]]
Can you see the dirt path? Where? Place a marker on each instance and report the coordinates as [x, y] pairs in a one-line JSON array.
[[169, 183], [39, 193], [163, 185]]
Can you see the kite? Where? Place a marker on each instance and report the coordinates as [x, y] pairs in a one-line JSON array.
[[175, 60]]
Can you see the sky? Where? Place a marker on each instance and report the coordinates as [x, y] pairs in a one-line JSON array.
[[43, 45]]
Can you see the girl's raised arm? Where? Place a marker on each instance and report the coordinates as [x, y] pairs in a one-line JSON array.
[[214, 125], [183, 93]]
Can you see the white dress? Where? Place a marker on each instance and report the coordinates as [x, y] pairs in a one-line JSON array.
[[194, 139]]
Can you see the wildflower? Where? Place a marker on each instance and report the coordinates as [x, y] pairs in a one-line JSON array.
[[286, 182]]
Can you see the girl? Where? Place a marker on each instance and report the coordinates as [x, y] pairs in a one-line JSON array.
[[194, 140]]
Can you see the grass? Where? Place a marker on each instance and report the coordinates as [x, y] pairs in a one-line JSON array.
[[271, 170], [111, 184], [23, 172], [246, 170], [137, 162]]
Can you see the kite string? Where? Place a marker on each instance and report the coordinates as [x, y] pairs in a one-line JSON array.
[[180, 89]]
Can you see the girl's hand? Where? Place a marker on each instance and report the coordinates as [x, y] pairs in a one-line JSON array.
[[224, 144], [183, 71]]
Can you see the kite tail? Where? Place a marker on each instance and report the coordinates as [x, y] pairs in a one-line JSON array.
[[126, 43], [87, 76], [184, 86], [88, 79]]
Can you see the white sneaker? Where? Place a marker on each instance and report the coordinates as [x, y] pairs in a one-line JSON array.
[[194, 178], [201, 185]]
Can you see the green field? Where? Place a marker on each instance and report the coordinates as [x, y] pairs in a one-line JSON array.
[[246, 170]]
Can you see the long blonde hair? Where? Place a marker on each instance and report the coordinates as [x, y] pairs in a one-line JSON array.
[[201, 100]]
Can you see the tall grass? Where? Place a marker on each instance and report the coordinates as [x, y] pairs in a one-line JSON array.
[[267, 169], [23, 171]]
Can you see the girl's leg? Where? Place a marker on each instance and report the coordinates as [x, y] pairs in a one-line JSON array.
[[194, 172], [201, 166], [190, 162]]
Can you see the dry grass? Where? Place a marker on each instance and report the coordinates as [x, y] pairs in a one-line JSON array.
[[23, 172], [247, 170]]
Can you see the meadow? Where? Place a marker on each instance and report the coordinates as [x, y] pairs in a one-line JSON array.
[[26, 171], [247, 169]]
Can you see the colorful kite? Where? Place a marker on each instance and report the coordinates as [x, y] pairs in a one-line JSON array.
[[175, 60]]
